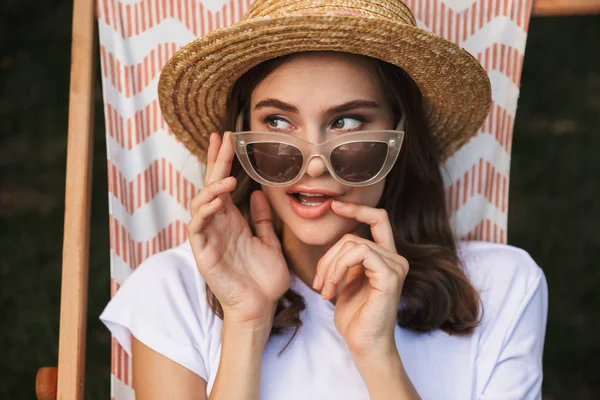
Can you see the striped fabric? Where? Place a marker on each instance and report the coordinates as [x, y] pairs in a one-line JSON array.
[[152, 177]]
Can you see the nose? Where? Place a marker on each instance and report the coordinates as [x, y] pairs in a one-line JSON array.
[[316, 167]]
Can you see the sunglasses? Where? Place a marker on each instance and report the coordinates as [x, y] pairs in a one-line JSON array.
[[358, 158]]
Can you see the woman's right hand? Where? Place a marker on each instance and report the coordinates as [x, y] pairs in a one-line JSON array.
[[248, 274]]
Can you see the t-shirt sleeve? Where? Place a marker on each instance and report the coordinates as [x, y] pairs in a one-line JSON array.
[[163, 304], [518, 330]]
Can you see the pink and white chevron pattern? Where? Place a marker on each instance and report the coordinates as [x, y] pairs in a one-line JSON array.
[[152, 177]]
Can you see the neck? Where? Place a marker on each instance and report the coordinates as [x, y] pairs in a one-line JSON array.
[[303, 258]]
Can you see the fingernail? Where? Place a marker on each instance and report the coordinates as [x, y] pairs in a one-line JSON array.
[[227, 180], [319, 282], [325, 291], [315, 281], [338, 203]]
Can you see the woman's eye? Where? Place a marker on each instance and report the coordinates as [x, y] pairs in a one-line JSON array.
[[277, 123], [346, 123]]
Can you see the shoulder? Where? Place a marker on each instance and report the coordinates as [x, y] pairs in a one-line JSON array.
[[172, 266], [163, 304], [509, 282], [510, 337], [164, 295], [169, 281], [494, 268]]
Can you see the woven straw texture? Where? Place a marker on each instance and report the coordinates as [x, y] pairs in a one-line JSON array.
[[153, 177], [193, 86]]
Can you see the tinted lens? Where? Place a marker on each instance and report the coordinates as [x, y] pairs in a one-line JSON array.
[[275, 162], [360, 161]]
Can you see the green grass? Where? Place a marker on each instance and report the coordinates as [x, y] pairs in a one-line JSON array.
[[553, 212]]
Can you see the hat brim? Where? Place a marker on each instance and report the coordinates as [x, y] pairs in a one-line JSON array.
[[195, 83]]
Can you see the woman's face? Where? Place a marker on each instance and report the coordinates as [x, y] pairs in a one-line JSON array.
[[298, 98]]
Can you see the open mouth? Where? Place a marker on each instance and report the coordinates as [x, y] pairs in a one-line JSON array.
[[310, 199], [311, 203]]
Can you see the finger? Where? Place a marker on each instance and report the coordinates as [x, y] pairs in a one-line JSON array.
[[211, 191], [328, 257], [203, 216], [222, 166], [325, 276], [214, 143], [393, 259], [390, 257], [399, 263], [376, 218], [262, 218], [381, 276]]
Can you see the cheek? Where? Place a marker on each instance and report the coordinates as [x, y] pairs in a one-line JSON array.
[[368, 196], [276, 196]]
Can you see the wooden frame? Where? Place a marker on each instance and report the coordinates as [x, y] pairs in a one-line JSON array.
[[67, 382], [565, 7]]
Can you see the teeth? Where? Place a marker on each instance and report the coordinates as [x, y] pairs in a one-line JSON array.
[[302, 198], [311, 194], [310, 204]]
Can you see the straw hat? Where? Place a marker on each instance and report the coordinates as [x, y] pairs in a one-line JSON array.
[[195, 82]]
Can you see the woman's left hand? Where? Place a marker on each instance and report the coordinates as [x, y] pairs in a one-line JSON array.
[[367, 306]]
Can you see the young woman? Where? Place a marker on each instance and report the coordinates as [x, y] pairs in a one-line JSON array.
[[320, 262]]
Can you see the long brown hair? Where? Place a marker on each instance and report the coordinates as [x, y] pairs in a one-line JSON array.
[[438, 293]]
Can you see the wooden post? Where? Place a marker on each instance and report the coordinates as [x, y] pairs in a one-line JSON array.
[[565, 7], [73, 305]]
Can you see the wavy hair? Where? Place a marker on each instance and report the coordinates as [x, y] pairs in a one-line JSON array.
[[437, 291]]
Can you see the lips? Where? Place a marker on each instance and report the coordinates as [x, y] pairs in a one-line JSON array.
[[303, 210], [310, 199], [310, 203], [307, 190]]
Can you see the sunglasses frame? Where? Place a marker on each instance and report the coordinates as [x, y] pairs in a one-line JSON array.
[[392, 138]]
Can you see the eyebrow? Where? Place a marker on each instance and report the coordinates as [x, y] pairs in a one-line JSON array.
[[351, 105]]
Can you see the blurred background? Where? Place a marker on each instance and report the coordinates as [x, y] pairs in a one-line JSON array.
[[554, 211]]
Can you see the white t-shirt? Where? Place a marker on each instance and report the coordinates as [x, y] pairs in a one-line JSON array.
[[163, 303]]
